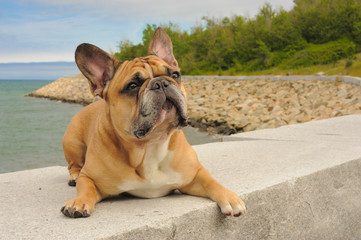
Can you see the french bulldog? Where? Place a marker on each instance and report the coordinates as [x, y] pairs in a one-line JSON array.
[[131, 140]]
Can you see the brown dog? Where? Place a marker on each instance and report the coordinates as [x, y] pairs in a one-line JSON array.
[[130, 141]]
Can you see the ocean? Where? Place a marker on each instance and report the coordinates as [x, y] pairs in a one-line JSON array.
[[31, 129]]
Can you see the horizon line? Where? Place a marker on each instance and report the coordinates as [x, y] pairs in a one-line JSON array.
[[37, 62]]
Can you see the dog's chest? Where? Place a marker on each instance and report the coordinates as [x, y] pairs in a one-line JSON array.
[[159, 176]]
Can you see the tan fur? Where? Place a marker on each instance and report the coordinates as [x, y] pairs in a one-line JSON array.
[[105, 158]]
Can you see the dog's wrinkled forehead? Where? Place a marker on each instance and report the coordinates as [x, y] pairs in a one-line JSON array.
[[154, 66]]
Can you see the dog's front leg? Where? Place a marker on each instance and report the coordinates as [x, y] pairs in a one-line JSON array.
[[83, 204], [205, 185]]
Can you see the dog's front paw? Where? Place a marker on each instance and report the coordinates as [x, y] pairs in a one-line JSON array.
[[77, 208], [232, 205]]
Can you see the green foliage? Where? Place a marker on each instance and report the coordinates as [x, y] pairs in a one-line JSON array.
[[313, 32], [129, 51], [349, 63], [322, 53], [321, 21]]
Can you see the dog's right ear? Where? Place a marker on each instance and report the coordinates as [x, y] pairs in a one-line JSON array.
[[96, 65], [161, 46]]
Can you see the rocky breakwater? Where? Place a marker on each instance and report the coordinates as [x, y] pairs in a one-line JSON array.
[[231, 106], [66, 89]]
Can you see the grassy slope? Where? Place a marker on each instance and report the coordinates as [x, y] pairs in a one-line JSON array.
[[338, 68]]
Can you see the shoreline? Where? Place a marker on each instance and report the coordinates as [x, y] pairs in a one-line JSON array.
[[233, 104], [84, 103]]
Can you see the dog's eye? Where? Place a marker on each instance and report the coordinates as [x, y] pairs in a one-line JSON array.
[[175, 75], [132, 86]]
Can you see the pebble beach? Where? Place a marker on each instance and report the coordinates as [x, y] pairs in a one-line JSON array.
[[227, 106]]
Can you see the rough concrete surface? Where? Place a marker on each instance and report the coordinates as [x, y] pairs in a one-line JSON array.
[[299, 182]]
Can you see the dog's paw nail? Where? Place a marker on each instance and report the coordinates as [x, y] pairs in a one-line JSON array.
[[77, 214], [237, 215], [86, 214], [72, 182], [227, 210], [240, 209], [65, 212]]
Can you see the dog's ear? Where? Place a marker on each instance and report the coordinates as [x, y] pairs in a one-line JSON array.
[[96, 65], [161, 46]]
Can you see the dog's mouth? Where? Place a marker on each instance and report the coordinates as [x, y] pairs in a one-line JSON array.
[[170, 107]]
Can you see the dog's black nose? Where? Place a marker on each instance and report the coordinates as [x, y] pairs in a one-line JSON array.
[[158, 84]]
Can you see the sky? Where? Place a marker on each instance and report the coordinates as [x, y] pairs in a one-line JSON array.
[[50, 30]]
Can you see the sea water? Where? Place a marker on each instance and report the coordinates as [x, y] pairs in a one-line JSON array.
[[31, 129]]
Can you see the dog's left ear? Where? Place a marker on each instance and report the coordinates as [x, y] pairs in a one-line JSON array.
[[161, 46], [97, 66]]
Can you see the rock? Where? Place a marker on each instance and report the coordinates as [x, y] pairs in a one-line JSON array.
[[303, 118], [342, 93], [267, 90]]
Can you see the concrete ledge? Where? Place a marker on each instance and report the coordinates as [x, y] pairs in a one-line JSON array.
[[299, 182]]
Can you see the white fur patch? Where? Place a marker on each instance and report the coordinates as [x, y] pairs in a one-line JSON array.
[[159, 176]]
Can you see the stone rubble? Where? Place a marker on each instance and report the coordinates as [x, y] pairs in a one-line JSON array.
[[232, 106]]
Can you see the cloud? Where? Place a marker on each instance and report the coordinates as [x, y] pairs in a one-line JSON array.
[[34, 56], [171, 10], [44, 30], [54, 39]]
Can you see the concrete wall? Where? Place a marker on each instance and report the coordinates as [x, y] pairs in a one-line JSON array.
[[299, 182]]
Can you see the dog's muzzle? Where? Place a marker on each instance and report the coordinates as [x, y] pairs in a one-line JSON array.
[[159, 94]]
